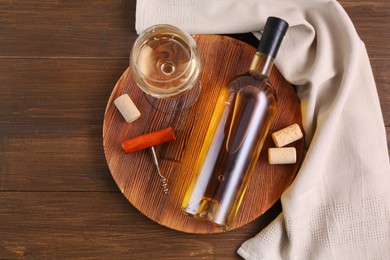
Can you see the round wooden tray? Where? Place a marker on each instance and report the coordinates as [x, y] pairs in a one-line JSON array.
[[135, 174]]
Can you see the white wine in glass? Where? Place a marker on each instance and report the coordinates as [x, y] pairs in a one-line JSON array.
[[165, 64]]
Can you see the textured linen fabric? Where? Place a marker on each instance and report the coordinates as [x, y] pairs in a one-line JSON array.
[[338, 206]]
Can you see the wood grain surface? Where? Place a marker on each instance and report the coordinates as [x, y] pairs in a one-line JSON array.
[[223, 58], [59, 61]]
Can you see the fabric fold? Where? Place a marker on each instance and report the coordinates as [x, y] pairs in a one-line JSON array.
[[338, 206]]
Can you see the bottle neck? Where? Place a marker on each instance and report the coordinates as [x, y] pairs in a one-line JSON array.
[[261, 65]]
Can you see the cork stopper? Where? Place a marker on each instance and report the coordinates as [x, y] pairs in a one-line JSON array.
[[285, 155], [127, 108], [287, 135]]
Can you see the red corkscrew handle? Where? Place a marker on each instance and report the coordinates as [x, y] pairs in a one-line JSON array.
[[148, 140]]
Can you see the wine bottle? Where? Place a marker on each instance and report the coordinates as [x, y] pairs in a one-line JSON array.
[[238, 128]]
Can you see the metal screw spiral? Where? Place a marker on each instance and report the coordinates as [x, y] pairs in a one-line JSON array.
[[164, 185], [163, 179]]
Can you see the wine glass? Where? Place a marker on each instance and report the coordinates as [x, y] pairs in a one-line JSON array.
[[165, 64]]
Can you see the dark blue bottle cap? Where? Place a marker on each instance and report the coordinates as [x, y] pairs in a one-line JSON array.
[[274, 31]]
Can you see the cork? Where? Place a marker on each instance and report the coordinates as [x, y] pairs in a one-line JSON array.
[[287, 135], [285, 155], [127, 108]]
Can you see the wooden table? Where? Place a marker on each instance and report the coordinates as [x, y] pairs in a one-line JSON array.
[[59, 61]]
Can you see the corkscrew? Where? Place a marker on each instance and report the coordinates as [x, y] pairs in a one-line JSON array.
[[149, 141], [162, 178]]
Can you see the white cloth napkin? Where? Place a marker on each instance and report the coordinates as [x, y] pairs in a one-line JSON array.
[[338, 207]]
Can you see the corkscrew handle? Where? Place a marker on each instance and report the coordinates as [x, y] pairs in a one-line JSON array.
[[148, 140]]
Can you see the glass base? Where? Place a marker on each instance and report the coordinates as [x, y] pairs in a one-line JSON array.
[[178, 103]]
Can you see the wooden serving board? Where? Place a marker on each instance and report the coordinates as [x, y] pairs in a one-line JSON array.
[[135, 174]]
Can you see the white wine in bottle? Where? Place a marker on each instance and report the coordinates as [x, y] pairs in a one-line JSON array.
[[238, 128]]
